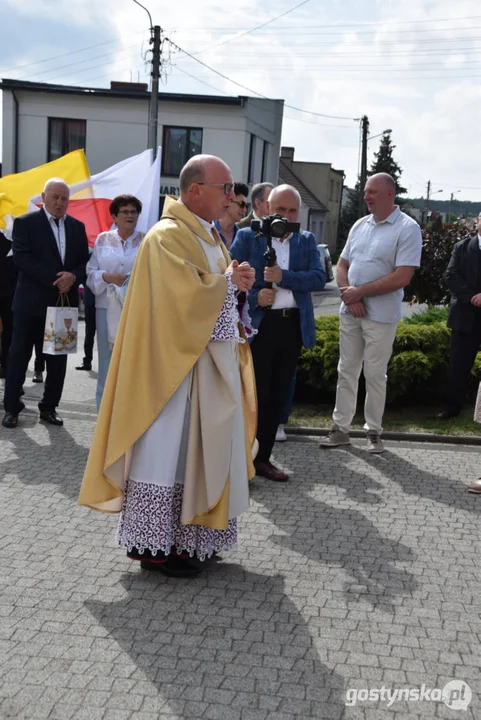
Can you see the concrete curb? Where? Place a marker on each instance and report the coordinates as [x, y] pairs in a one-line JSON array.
[[407, 437]]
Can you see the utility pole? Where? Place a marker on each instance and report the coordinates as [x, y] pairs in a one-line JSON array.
[[154, 93], [363, 173], [155, 74], [426, 204]]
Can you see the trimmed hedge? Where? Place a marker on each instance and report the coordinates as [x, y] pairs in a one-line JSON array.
[[417, 370]]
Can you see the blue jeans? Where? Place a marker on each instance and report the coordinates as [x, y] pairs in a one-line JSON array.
[[287, 407], [104, 351]]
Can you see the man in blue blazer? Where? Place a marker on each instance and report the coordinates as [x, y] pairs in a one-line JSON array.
[[283, 315]]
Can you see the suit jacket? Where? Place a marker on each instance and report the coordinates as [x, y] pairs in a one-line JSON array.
[[246, 222], [8, 273], [463, 278], [38, 261], [305, 275]]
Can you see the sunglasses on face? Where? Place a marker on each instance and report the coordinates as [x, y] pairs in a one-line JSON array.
[[241, 204], [227, 187]]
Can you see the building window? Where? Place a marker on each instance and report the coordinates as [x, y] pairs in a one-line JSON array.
[[250, 169], [64, 136], [179, 145], [264, 161]]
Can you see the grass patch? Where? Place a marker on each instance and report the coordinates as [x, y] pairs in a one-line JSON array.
[[405, 419]]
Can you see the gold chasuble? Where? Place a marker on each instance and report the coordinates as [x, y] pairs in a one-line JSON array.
[[172, 305]]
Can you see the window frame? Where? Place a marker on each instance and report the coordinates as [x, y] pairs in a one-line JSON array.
[[189, 130], [64, 122]]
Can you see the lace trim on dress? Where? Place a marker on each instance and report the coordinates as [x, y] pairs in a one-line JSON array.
[[111, 239], [226, 327], [150, 520]]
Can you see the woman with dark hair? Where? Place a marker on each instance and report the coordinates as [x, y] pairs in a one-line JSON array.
[[227, 226], [109, 266]]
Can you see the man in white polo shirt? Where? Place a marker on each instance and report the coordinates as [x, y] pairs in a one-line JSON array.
[[382, 251]]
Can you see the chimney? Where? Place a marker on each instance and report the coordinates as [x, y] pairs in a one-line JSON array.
[[132, 86], [287, 153]]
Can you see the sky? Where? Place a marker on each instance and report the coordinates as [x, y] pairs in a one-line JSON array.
[[412, 67]]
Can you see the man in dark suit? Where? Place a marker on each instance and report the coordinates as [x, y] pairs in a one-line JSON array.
[[90, 329], [50, 251], [260, 206], [8, 278], [463, 278], [283, 315]]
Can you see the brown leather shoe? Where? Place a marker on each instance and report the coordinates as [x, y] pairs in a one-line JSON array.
[[270, 472]]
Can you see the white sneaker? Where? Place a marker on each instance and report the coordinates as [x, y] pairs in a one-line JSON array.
[[335, 437], [374, 443], [280, 434]]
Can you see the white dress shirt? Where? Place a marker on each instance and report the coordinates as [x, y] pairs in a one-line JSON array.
[[479, 241], [284, 298], [58, 232], [110, 255]]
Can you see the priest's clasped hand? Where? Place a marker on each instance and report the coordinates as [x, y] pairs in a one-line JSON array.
[[242, 275]]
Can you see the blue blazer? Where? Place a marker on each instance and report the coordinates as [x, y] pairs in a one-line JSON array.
[[305, 275]]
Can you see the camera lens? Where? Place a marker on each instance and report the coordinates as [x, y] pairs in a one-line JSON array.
[[278, 227]]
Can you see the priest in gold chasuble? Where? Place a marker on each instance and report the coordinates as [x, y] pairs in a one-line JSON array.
[[175, 439]]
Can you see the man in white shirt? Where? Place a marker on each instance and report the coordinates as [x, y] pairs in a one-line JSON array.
[[382, 251]]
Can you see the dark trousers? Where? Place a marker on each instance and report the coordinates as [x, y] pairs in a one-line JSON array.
[[28, 330], [90, 328], [275, 351], [462, 354], [287, 407], [6, 317], [39, 363]]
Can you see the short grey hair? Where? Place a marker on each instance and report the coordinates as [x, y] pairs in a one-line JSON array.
[[258, 191], [55, 181]]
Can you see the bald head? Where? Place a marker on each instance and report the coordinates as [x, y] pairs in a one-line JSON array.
[[197, 169], [379, 194], [55, 197], [386, 179], [206, 187], [286, 201]]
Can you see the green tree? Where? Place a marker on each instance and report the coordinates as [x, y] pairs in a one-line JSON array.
[[384, 162], [349, 214]]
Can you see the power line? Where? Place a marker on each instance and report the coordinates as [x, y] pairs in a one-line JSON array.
[[341, 25], [79, 62], [57, 57], [291, 117], [244, 87], [254, 29]]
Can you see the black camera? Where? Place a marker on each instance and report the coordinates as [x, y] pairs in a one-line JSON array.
[[274, 226]]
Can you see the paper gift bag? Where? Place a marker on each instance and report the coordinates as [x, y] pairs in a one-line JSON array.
[[61, 329]]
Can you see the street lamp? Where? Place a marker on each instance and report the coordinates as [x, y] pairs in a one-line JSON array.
[[384, 132], [450, 203]]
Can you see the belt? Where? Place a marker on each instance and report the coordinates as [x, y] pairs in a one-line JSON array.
[[284, 312]]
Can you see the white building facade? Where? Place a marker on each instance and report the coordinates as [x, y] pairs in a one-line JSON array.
[[42, 122]]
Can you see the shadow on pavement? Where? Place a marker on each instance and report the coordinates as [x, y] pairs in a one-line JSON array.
[[230, 640], [60, 462]]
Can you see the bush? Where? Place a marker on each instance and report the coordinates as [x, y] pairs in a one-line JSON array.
[[416, 373], [427, 284], [428, 317]]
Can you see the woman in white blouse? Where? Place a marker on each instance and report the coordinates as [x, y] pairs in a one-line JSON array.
[[111, 263]]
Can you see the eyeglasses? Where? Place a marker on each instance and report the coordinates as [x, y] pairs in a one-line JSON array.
[[228, 187], [241, 204], [128, 212]]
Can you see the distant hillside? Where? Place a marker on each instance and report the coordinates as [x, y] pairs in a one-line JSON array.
[[460, 207]]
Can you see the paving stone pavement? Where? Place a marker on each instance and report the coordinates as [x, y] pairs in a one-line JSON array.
[[361, 573]]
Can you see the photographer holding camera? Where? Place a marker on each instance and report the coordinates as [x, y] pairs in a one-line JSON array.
[[281, 308]]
